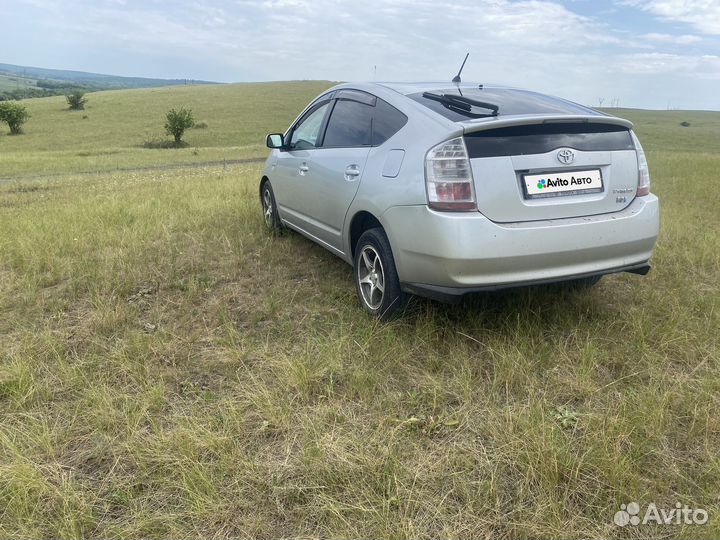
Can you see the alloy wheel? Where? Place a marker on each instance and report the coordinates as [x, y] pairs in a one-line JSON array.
[[267, 205], [371, 277]]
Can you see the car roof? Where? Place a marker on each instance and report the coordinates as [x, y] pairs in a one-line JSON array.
[[406, 88], [516, 106]]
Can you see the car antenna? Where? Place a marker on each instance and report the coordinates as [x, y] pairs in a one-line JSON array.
[[456, 78]]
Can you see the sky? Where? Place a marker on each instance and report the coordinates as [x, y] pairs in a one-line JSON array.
[[639, 53]]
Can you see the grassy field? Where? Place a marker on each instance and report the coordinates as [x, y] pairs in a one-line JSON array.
[[169, 369], [112, 130]]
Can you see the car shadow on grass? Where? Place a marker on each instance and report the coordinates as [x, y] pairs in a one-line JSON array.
[[552, 305]]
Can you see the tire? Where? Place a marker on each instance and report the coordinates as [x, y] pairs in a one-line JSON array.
[[376, 279], [584, 283], [269, 208]]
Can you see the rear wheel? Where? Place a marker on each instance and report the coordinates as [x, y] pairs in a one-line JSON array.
[[376, 279], [269, 208]]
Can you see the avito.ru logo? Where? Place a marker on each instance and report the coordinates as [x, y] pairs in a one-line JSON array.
[[629, 514]]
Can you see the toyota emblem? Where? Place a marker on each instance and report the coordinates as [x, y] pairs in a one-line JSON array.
[[566, 156]]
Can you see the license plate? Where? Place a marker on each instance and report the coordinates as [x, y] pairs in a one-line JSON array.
[[562, 183]]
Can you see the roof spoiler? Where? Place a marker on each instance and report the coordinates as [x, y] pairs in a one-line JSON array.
[[471, 126]]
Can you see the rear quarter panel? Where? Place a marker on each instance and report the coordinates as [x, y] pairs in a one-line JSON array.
[[378, 193]]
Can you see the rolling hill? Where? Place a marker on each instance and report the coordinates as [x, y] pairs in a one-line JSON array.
[[25, 81], [117, 126]]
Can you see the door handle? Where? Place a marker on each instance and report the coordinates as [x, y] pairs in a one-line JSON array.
[[303, 168], [352, 172]]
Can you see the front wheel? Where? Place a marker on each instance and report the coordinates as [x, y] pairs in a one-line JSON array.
[[376, 278], [269, 208]]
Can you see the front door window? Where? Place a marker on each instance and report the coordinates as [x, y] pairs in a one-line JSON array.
[[306, 133]]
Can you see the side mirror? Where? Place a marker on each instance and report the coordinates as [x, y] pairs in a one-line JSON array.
[[275, 140]]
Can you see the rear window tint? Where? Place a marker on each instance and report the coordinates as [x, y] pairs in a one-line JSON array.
[[350, 124], [387, 121], [361, 119], [542, 138], [508, 100]]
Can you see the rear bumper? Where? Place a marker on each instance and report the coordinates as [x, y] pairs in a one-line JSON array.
[[453, 295], [437, 250]]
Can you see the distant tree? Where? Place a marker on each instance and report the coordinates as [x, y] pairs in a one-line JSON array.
[[23, 93], [76, 100], [177, 122], [14, 114]]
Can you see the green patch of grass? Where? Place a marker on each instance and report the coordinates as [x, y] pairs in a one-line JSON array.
[[168, 369], [237, 118], [663, 130]]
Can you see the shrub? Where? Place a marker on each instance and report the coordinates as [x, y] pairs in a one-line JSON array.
[[14, 114], [177, 122], [156, 143], [201, 125], [76, 100]]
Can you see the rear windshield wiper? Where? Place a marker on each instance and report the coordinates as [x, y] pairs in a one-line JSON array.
[[463, 105]]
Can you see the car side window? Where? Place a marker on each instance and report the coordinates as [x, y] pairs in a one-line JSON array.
[[350, 124], [367, 121], [305, 135], [387, 121]]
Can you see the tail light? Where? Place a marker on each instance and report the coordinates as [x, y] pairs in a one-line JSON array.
[[643, 187], [448, 177]]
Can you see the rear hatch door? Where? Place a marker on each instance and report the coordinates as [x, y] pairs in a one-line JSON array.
[[551, 167]]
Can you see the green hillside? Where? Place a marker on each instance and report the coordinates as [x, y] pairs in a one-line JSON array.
[[18, 82], [664, 129], [111, 131], [15, 82]]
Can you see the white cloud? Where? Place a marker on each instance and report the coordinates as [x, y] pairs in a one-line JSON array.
[[706, 66], [540, 44], [703, 15], [683, 39]]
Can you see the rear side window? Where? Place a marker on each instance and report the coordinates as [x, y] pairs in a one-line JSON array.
[[350, 124], [367, 123], [542, 138], [387, 121]]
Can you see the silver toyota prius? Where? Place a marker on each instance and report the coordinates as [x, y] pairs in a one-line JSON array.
[[441, 189]]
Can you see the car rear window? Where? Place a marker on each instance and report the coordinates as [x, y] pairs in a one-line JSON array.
[[542, 138], [508, 100]]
